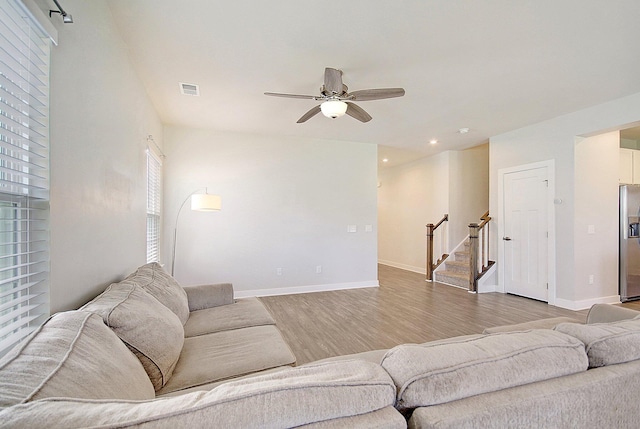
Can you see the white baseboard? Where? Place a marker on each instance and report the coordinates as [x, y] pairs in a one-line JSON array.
[[419, 270], [305, 289], [586, 303]]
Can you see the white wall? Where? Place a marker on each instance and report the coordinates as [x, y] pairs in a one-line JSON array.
[[555, 139], [596, 220], [100, 117], [414, 194], [468, 190], [408, 199], [286, 203]]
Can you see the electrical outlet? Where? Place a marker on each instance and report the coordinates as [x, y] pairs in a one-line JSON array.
[[318, 269], [279, 271], [591, 278]]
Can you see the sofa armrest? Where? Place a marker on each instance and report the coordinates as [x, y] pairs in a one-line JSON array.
[[207, 296], [605, 313]]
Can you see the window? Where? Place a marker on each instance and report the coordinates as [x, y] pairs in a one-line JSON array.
[[24, 174], [154, 205]]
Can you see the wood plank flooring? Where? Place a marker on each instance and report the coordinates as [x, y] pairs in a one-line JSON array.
[[404, 309]]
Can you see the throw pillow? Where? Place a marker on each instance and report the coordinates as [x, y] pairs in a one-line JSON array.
[[152, 332], [157, 282], [72, 355]]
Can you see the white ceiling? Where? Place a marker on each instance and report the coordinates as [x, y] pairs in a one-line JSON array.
[[490, 65]]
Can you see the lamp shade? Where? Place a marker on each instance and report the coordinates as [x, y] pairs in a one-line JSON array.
[[206, 202], [333, 108]]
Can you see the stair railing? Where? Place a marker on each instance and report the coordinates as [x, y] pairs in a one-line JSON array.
[[478, 250], [431, 229]]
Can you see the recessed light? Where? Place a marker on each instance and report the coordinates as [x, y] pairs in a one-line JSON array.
[[385, 160], [463, 130], [433, 141]]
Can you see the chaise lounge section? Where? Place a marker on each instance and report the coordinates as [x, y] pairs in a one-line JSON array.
[[177, 333]]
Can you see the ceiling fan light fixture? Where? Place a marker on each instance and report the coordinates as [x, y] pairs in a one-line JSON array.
[[333, 108]]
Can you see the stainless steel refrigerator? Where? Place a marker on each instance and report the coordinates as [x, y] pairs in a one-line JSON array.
[[629, 242]]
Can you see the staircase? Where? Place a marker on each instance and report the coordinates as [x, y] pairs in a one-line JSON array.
[[469, 262], [456, 269]]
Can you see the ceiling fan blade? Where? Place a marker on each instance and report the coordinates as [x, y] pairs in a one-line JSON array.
[[358, 112], [277, 94], [333, 81], [310, 114], [376, 94]]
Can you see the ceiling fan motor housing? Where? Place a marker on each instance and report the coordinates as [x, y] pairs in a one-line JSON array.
[[327, 93]]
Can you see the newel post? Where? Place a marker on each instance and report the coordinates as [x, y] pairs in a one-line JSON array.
[[473, 257], [430, 229]]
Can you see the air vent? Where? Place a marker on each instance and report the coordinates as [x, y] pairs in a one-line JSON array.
[[189, 89]]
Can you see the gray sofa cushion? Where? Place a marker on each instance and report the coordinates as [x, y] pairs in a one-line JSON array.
[[72, 355], [206, 296], [443, 371], [227, 354], [157, 282], [535, 324], [385, 418], [607, 343], [374, 356], [600, 398], [289, 398], [241, 314], [606, 313], [152, 331]]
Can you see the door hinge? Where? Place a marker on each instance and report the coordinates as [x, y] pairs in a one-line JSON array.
[[546, 183], [547, 286]]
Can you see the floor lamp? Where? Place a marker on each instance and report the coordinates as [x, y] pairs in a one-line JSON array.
[[199, 202]]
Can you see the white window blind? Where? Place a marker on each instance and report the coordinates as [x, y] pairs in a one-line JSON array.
[[24, 174], [154, 205]]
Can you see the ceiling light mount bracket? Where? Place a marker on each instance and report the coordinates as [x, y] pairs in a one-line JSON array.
[[66, 18]]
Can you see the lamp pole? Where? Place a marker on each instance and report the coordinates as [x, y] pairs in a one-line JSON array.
[[175, 232], [212, 203]]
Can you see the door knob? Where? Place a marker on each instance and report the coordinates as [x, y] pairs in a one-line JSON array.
[[506, 238]]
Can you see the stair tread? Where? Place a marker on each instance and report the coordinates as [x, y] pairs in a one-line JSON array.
[[452, 278], [448, 273], [457, 267]]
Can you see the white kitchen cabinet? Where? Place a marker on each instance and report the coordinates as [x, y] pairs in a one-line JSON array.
[[629, 172]]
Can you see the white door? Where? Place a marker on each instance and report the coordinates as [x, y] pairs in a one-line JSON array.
[[526, 233]]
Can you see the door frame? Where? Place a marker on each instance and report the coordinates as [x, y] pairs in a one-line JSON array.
[[551, 224]]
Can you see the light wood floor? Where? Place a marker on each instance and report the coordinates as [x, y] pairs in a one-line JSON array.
[[404, 309]]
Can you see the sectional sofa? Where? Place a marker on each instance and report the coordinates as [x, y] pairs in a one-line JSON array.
[[150, 353]]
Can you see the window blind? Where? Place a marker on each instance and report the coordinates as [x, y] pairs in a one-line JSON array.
[[24, 174], [154, 205]]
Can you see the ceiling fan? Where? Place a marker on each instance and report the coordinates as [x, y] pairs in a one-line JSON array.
[[336, 101]]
